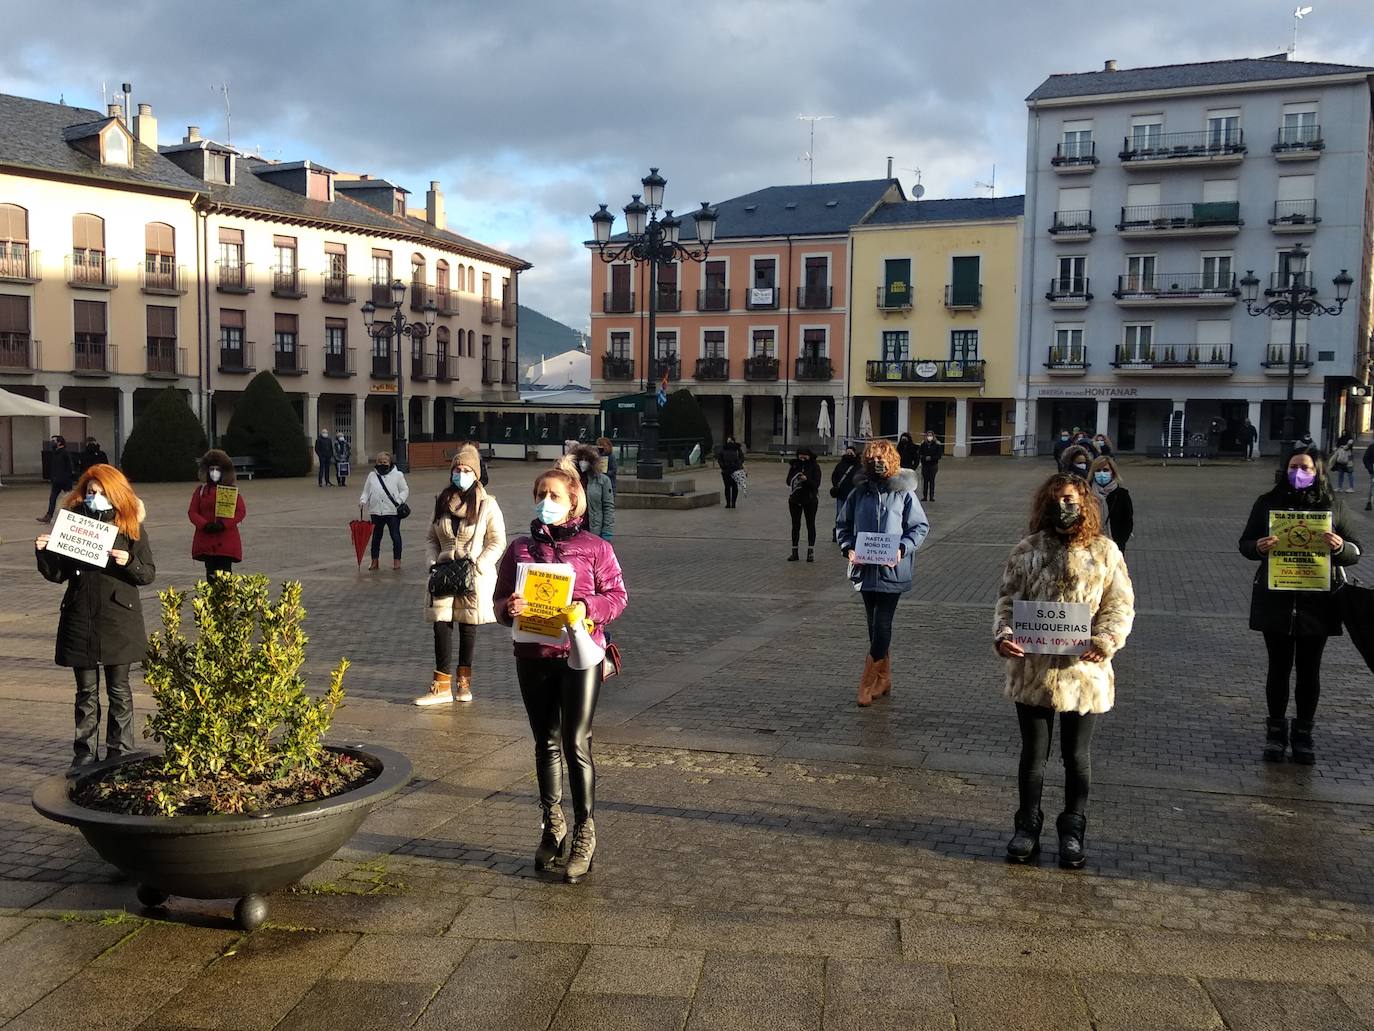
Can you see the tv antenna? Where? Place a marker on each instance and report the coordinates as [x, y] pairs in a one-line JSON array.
[[810, 156], [1299, 13], [223, 88], [918, 191], [990, 185]]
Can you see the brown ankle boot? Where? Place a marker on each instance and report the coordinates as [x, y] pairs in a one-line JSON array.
[[440, 691], [462, 684], [882, 676], [375, 565], [867, 681]]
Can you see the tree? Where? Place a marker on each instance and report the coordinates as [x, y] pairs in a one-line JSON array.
[[265, 426], [166, 442], [683, 422]]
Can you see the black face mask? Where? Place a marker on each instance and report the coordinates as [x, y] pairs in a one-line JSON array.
[[382, 470]]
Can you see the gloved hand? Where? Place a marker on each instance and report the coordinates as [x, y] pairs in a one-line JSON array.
[[214, 527]]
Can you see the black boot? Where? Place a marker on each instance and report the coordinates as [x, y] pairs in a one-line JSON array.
[[794, 557], [1301, 742], [553, 843], [580, 856], [1275, 739], [1072, 827], [1025, 843], [811, 554]]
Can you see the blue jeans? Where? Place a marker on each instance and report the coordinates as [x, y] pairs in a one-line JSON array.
[[392, 523], [1345, 478]]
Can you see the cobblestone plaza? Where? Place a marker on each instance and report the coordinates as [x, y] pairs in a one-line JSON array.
[[770, 855]]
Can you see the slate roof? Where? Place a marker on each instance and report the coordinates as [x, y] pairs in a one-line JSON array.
[[820, 209], [36, 135], [961, 209], [1182, 76]]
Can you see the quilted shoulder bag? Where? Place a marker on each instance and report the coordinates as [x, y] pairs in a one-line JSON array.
[[402, 509]]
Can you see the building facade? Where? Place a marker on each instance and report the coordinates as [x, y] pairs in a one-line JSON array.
[[758, 329], [933, 323], [1150, 193], [125, 265]]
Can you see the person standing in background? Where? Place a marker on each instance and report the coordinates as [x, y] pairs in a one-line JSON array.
[[842, 482], [1368, 461], [324, 452], [607, 449], [93, 454], [929, 454], [1343, 464], [1118, 512], [61, 474], [216, 541], [803, 498], [1251, 437], [1060, 446], [343, 458], [587, 463], [907, 452], [384, 498], [731, 460]]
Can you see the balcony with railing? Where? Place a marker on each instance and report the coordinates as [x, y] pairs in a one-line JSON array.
[[91, 271], [1282, 282], [1069, 292], [421, 367], [288, 282], [1175, 359], [963, 298], [762, 298], [1072, 225], [18, 353], [761, 368], [1205, 218], [237, 360], [1294, 216], [1200, 147], [1075, 156], [925, 370], [162, 278], [1067, 360], [379, 291], [668, 300], [93, 358], [1176, 289], [445, 368], [384, 364], [491, 371], [164, 361], [1298, 143], [617, 367], [510, 372], [714, 369], [815, 297], [671, 365], [234, 279], [18, 264], [1276, 360], [337, 289], [713, 299], [491, 311], [894, 297], [341, 363], [509, 315], [288, 361], [815, 368], [446, 300], [420, 295]]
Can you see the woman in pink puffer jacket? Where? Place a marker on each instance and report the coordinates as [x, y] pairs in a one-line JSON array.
[[559, 700]]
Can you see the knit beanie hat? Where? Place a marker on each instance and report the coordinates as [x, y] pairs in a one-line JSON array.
[[469, 456]]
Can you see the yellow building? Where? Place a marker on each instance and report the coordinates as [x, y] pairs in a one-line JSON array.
[[933, 321]]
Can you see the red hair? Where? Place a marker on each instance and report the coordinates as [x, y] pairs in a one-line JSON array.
[[114, 485]]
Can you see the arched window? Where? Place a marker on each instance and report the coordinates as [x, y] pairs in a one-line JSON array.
[[462, 277], [472, 340], [441, 347], [159, 256], [14, 242], [88, 249], [419, 290], [442, 298], [472, 280]]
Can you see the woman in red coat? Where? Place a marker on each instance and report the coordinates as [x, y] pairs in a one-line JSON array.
[[216, 542]]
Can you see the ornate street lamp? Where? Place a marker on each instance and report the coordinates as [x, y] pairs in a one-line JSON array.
[[1298, 296], [652, 241], [395, 329]]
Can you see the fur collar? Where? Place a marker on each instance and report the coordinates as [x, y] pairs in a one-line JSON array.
[[903, 479]]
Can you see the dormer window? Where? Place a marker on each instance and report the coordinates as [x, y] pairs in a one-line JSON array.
[[217, 167], [116, 148]]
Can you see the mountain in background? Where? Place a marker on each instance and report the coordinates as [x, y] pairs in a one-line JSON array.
[[542, 337]]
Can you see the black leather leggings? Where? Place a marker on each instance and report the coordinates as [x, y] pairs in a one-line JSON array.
[[805, 508], [119, 733], [560, 702], [1075, 741]]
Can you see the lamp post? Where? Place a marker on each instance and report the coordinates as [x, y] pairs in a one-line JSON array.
[[652, 241], [395, 329], [1297, 296]]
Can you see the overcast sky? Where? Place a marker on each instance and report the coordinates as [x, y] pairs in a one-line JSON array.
[[529, 113]]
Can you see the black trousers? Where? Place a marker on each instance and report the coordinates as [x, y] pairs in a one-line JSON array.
[[53, 494], [324, 472], [119, 732], [560, 702], [218, 564], [727, 478], [392, 524], [1075, 742], [805, 507], [879, 608], [928, 482], [443, 645], [1286, 651]]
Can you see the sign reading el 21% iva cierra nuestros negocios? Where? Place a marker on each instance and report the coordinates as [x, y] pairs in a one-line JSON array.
[[1051, 627], [82, 538]]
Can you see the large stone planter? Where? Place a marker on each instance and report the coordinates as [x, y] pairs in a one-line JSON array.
[[241, 856]]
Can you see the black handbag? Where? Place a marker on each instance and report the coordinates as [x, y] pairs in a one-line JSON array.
[[453, 578], [1355, 602], [402, 510]]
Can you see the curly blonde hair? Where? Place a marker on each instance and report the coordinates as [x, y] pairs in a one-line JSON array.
[[884, 451], [1045, 507]]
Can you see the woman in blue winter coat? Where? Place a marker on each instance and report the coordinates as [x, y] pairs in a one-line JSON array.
[[883, 501]]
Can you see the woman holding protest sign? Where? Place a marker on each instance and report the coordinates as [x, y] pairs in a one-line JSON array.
[[101, 621], [1076, 607], [1296, 618], [215, 511], [880, 526], [559, 696]]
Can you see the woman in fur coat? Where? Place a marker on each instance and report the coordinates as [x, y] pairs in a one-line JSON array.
[[1064, 559]]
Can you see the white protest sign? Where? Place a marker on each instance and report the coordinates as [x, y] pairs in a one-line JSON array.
[[1052, 627], [876, 549], [82, 538]]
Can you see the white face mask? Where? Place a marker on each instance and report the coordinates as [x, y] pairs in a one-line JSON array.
[[215, 475], [584, 465], [98, 502], [550, 512], [465, 480]]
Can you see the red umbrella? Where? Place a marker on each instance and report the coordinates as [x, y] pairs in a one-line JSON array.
[[362, 533]]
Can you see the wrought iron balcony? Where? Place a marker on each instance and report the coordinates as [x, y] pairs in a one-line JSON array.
[[1204, 358], [1294, 216], [446, 300], [814, 367], [925, 370], [236, 359], [288, 361], [713, 298], [18, 353], [1077, 155], [234, 279], [894, 297], [1203, 218], [1069, 291], [288, 282], [384, 364], [18, 264], [617, 367], [340, 364], [164, 361], [1068, 361], [963, 298], [1162, 288], [491, 371], [93, 358], [91, 270], [668, 300], [510, 372], [380, 290], [1204, 145], [509, 315], [163, 278], [1071, 224], [445, 368], [761, 368], [1281, 282], [1301, 141], [337, 289], [670, 364], [762, 298], [814, 297], [421, 367], [714, 368], [491, 311], [1276, 360], [420, 295]]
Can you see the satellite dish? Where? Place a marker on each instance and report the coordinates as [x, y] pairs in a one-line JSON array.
[[918, 191]]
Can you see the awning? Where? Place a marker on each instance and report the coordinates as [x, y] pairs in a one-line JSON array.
[[17, 404]]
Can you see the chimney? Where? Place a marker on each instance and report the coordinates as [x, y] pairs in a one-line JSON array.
[[115, 111], [1109, 66], [145, 127], [889, 166], [434, 205], [192, 134]]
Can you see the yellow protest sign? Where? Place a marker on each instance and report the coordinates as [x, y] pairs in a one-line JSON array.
[[226, 502], [547, 589], [1301, 560]]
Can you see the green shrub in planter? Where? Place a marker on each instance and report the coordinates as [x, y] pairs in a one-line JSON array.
[[166, 442], [265, 426]]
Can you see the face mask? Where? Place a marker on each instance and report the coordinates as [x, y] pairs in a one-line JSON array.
[[382, 470], [584, 465], [550, 512], [463, 480], [98, 503], [1099, 442], [1301, 479], [1103, 477], [215, 475], [1069, 514], [1063, 436], [879, 467], [1081, 470]]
